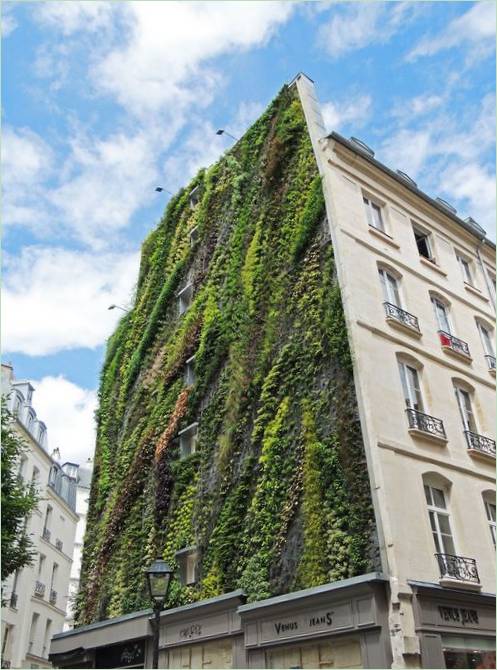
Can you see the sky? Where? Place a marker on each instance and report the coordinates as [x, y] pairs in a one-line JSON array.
[[104, 101]]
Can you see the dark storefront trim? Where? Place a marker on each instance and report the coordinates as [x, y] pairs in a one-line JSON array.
[[443, 615]]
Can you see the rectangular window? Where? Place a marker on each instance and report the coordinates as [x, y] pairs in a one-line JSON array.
[[491, 284], [374, 214], [441, 315], [439, 521], [491, 516], [32, 633], [423, 243], [465, 269], [467, 416], [390, 288], [411, 388], [486, 339], [41, 563]]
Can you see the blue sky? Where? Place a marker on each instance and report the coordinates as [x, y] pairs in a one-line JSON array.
[[104, 101]]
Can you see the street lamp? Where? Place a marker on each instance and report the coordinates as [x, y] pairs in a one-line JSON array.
[[160, 189], [118, 307], [158, 578], [221, 131]]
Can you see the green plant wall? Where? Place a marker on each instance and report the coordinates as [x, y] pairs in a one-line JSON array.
[[276, 496]]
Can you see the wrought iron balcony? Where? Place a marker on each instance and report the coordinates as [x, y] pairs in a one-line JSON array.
[[458, 567], [13, 600], [401, 316], [5, 663], [490, 362], [59, 545], [480, 443], [46, 534], [425, 423], [53, 597], [454, 344], [39, 589]]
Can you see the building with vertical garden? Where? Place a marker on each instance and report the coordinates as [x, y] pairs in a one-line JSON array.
[[297, 415]]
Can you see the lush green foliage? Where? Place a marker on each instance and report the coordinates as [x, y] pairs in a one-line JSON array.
[[18, 501], [276, 496]]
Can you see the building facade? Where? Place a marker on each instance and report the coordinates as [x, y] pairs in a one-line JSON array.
[[37, 594], [417, 284], [82, 498]]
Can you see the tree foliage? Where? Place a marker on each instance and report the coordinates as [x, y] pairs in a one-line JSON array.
[[18, 501]]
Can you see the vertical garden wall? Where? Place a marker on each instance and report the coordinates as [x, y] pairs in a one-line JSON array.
[[276, 495]]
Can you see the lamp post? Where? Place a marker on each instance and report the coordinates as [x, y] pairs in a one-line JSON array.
[[221, 131], [158, 578], [118, 307]]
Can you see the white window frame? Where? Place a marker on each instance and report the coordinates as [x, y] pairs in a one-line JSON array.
[[441, 307], [411, 385], [390, 286], [486, 340], [465, 404], [435, 512], [466, 268], [188, 440], [490, 511], [429, 241], [374, 207]]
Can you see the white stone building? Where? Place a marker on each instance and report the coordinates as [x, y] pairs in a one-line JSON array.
[[82, 500], [37, 594]]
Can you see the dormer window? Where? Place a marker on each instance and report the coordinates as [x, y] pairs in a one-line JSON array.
[[188, 565], [189, 374], [194, 236], [187, 440], [184, 298]]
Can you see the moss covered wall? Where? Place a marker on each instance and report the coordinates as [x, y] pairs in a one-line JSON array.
[[276, 496]]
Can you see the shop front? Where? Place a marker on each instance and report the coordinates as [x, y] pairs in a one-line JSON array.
[[206, 634], [123, 642], [456, 628], [340, 625]]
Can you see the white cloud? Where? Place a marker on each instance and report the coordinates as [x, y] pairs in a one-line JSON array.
[[355, 25], [476, 28], [9, 24], [68, 411], [418, 106], [26, 162], [473, 186], [70, 17], [56, 299], [353, 111], [407, 150]]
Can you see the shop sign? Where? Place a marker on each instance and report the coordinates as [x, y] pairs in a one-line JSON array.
[[121, 655], [306, 623], [458, 615]]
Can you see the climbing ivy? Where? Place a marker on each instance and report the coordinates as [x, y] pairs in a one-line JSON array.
[[276, 496]]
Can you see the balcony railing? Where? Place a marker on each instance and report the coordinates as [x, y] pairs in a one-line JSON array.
[[458, 567], [490, 361], [59, 545], [13, 600], [39, 589], [453, 343], [480, 443], [46, 534], [5, 664], [53, 597], [426, 423], [400, 315]]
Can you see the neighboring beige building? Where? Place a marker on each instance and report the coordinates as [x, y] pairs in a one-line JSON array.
[[418, 286], [82, 500], [37, 595]]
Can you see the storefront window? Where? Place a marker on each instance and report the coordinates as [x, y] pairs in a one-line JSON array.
[[464, 652], [338, 654]]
